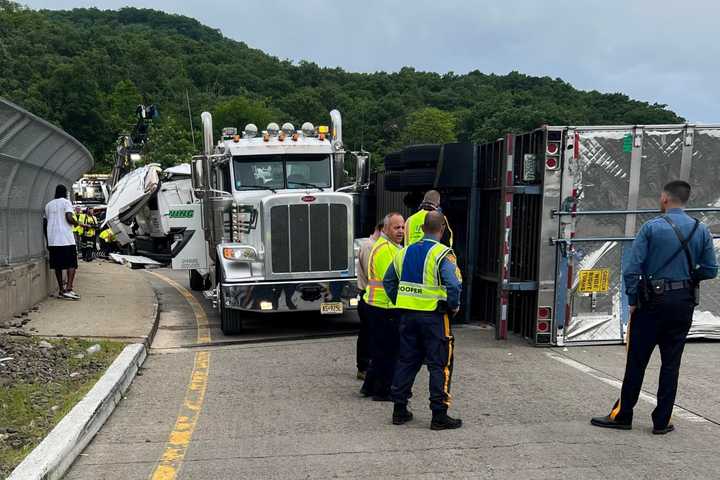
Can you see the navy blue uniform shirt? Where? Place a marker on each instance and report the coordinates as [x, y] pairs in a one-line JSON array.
[[656, 242]]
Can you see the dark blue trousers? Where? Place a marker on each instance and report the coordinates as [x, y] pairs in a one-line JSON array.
[[664, 323], [425, 337]]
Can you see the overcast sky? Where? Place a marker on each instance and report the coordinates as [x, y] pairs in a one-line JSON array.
[[653, 50]]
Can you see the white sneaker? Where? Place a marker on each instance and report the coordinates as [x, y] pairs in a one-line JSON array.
[[71, 294]]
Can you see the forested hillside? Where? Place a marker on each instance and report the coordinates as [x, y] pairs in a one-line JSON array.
[[87, 69]]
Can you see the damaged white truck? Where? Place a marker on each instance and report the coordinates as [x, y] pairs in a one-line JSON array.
[[268, 230]]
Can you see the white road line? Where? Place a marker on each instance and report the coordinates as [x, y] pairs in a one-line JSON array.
[[678, 411]]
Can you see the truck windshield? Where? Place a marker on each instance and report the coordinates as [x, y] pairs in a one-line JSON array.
[[294, 171]]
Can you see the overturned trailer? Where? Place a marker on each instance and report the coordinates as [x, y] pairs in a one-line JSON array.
[[544, 219], [561, 207]]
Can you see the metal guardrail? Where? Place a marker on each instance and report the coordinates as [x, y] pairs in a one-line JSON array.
[[35, 157]]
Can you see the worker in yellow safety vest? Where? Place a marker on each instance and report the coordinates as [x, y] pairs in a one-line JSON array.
[[88, 224], [380, 311], [108, 242], [413, 226], [77, 228], [424, 283]]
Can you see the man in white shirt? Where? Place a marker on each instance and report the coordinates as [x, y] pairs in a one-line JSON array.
[[59, 224]]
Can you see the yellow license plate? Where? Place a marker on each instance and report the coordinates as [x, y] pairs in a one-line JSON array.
[[332, 308]]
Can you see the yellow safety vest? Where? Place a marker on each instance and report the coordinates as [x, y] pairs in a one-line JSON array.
[[413, 228], [380, 259], [418, 268], [77, 229], [107, 235], [90, 220]]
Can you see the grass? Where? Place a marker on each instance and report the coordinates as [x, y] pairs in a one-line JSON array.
[[30, 409]]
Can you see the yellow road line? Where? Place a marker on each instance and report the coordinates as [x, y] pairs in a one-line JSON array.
[[179, 440]]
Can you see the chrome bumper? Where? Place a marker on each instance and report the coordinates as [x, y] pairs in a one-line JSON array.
[[304, 296]]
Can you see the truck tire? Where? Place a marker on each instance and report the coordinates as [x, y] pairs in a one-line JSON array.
[[409, 180], [392, 161], [420, 156], [413, 157], [230, 319], [197, 281]]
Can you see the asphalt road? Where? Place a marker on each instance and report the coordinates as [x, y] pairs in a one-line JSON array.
[[291, 409]]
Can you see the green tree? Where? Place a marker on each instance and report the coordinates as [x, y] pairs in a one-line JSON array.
[[123, 101], [429, 125], [170, 143]]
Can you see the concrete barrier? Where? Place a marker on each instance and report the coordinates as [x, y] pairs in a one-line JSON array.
[[24, 285]]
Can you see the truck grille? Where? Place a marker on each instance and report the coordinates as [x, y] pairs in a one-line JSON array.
[[309, 238]]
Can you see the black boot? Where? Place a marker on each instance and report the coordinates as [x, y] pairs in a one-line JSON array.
[[607, 422], [441, 421], [401, 414]]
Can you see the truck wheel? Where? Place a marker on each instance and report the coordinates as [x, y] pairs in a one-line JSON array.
[[409, 180], [197, 281], [230, 319]]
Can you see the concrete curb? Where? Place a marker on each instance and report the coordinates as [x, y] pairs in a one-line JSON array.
[[57, 452], [156, 319]]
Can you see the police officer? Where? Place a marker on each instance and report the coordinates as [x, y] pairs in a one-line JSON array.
[[670, 256], [413, 226], [380, 311], [425, 284]]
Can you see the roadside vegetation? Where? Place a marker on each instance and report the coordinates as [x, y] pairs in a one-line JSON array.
[[40, 381], [87, 69]]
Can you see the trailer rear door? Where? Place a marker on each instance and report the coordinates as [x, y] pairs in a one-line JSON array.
[[611, 181]]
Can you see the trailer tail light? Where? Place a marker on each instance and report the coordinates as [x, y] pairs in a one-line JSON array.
[[552, 163], [544, 320], [543, 326], [552, 148]]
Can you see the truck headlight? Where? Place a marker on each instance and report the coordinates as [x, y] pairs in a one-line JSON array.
[[240, 254]]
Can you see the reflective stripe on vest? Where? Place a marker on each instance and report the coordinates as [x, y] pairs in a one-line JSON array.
[[381, 256], [413, 228], [426, 295]]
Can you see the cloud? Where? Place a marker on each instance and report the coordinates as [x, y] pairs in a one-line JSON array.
[[654, 51]]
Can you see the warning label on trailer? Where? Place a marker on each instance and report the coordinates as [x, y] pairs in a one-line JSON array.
[[594, 281]]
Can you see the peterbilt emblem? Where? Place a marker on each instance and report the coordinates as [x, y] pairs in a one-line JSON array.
[[308, 198]]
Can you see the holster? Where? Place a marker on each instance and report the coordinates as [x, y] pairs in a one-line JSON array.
[[650, 290]]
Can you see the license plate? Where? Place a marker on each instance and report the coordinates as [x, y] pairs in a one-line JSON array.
[[332, 308]]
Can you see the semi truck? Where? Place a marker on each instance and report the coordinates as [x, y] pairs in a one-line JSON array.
[[270, 228]]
